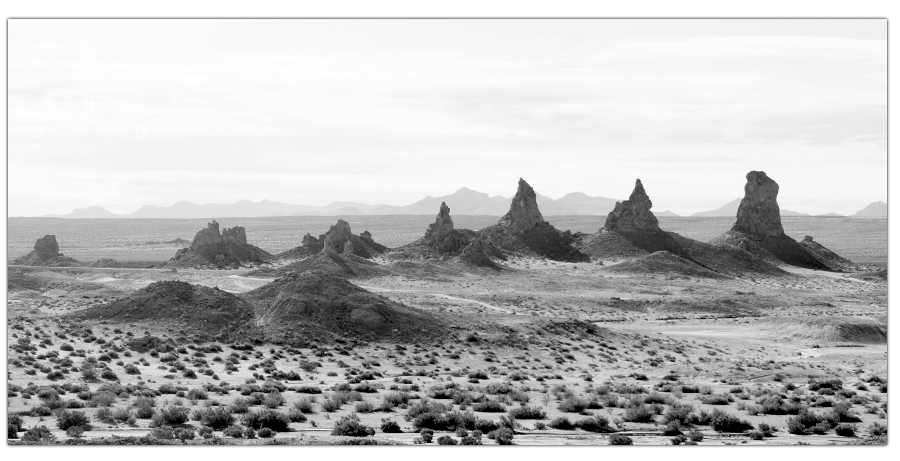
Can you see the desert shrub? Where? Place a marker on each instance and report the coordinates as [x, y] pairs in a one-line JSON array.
[[756, 435], [304, 405], [162, 433], [349, 425], [445, 440], [833, 384], [680, 413], [217, 418], [845, 430], [877, 430], [308, 390], [197, 394], [489, 406], [426, 435], [775, 405], [503, 436], [75, 432], [234, 431], [108, 374], [721, 421], [573, 405], [38, 434], [390, 427], [596, 423], [766, 429], [170, 416], [562, 423], [67, 419], [185, 433], [840, 412], [619, 439], [265, 433], [364, 407], [267, 417], [527, 413], [805, 423], [240, 405], [695, 436], [672, 428], [102, 399], [716, 399], [205, 432], [273, 400], [656, 397], [638, 413]]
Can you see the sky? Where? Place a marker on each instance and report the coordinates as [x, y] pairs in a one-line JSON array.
[[124, 113]]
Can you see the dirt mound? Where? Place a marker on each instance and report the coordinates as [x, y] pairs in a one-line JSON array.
[[874, 275], [346, 266], [830, 329], [607, 245], [113, 264], [199, 309], [18, 281], [778, 249], [664, 263], [215, 250], [341, 240], [46, 253], [728, 259], [300, 306], [831, 259]]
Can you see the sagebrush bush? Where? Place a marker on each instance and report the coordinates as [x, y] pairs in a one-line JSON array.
[[170, 416], [269, 418], [234, 431], [561, 423], [489, 406], [67, 419], [217, 418], [390, 427], [503, 436], [721, 421], [596, 423], [527, 413], [349, 425], [619, 439]]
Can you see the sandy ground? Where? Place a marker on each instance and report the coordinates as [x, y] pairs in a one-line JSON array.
[[742, 338]]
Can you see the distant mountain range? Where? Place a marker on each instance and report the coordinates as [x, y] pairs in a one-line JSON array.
[[462, 202], [873, 210]]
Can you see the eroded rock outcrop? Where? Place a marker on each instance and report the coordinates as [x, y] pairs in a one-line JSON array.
[[523, 230], [339, 239], [633, 220], [228, 248], [46, 253], [757, 228], [833, 260], [633, 215], [523, 212]]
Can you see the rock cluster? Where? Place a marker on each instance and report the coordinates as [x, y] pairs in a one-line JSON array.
[[228, 248], [46, 253], [633, 215], [339, 240]]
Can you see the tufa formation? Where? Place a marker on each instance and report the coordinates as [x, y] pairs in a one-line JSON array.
[[46, 253], [338, 240], [758, 229], [226, 249]]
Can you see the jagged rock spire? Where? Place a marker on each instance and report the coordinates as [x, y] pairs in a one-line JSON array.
[[523, 211], [442, 227], [633, 215]]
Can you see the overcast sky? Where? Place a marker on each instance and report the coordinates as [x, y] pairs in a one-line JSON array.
[[123, 113]]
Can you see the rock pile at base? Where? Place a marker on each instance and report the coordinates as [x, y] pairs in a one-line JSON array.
[[833, 260], [338, 240], [299, 307], [523, 230], [225, 249], [46, 253], [758, 229], [172, 304]]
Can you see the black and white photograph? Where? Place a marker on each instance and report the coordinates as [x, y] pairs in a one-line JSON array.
[[318, 231]]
